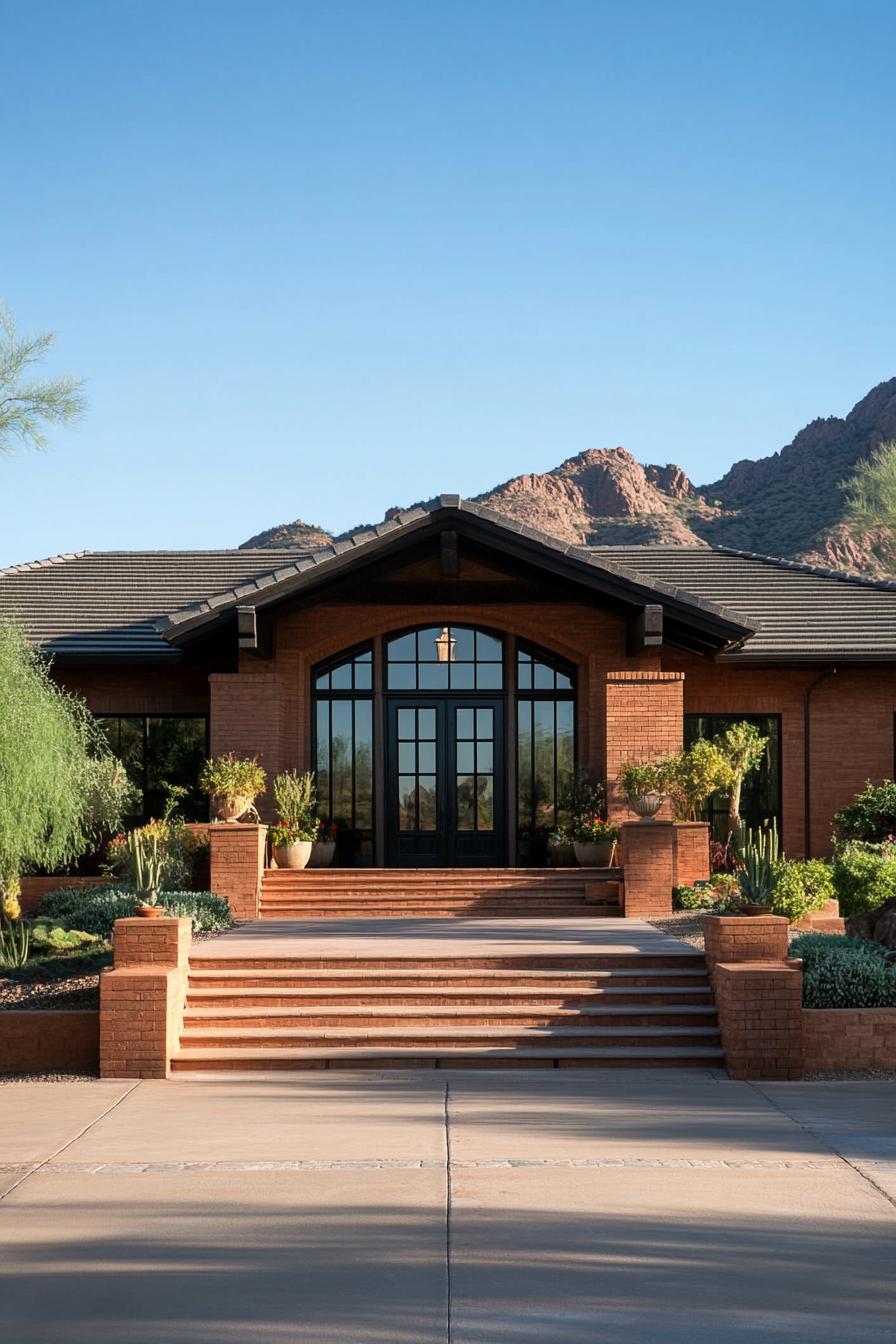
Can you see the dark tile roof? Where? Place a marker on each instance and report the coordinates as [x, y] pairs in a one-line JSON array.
[[106, 604], [117, 604], [803, 614]]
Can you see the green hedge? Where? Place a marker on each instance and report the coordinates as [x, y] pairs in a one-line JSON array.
[[799, 886], [842, 972], [95, 909], [864, 877]]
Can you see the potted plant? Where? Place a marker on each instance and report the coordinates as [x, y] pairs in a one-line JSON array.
[[561, 850], [147, 865], [760, 852], [233, 785], [642, 783], [292, 843], [594, 842], [324, 847]]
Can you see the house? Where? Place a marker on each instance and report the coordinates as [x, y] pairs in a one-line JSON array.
[[445, 671]]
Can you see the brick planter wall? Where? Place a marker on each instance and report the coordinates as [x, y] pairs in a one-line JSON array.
[[690, 855], [647, 861], [48, 1042], [142, 998], [236, 858], [849, 1038], [34, 889]]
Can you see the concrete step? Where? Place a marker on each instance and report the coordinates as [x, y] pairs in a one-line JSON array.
[[374, 997], [444, 1035], [436, 965], [450, 1015], [428, 912], [249, 1061], [361, 979]]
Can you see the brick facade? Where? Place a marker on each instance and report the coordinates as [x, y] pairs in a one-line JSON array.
[[643, 723]]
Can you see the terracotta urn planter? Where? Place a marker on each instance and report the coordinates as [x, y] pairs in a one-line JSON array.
[[295, 855], [646, 805], [231, 809], [150, 911], [322, 852], [562, 856], [594, 853]]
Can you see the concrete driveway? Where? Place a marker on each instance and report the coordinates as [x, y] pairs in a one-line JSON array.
[[619, 1207]]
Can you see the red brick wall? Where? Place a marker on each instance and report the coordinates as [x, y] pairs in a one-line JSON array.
[[237, 865], [733, 938], [849, 1038], [691, 853], [643, 723], [35, 888], [52, 1041]]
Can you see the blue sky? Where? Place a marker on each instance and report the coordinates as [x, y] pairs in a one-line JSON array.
[[316, 259]]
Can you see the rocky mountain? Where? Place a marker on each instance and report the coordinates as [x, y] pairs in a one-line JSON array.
[[790, 504]]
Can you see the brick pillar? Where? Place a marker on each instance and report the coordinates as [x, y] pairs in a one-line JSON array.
[[733, 938], [690, 853], [244, 717], [142, 998], [236, 856], [647, 863], [760, 1008], [645, 721]]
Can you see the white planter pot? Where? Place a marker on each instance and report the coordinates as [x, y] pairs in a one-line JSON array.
[[293, 856]]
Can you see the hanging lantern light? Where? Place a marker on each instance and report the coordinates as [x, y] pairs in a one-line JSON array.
[[445, 646]]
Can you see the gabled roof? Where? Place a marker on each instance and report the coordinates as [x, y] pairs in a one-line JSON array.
[[137, 605], [713, 625]]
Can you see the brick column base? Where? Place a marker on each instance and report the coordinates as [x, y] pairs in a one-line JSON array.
[[760, 1007], [142, 998], [647, 863], [733, 938], [237, 865]]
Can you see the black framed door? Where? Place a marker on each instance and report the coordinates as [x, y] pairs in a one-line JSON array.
[[445, 781]]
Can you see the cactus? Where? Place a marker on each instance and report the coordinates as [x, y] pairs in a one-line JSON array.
[[148, 865], [759, 850]]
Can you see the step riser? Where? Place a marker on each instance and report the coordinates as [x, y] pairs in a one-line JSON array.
[[373, 1002], [412, 982], [272, 1064], [431, 966]]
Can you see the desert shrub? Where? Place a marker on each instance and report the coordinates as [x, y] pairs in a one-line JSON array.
[[95, 909], [849, 978], [864, 877], [813, 947], [800, 886], [693, 898], [52, 936], [179, 847], [871, 815]]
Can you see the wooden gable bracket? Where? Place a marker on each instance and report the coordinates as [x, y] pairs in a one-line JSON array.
[[449, 557], [646, 630], [247, 628]]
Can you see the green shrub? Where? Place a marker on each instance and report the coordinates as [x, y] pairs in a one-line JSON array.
[[871, 815], [800, 886], [849, 979], [53, 936], [813, 947], [864, 877], [693, 898], [95, 909]]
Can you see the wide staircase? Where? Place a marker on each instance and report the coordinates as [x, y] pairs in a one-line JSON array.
[[601, 1009], [433, 893]]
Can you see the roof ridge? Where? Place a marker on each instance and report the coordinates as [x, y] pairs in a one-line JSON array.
[[887, 585], [44, 564]]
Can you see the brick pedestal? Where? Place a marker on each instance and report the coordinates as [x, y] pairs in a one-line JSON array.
[[734, 938], [142, 997], [760, 1008], [647, 862], [236, 856], [690, 853]]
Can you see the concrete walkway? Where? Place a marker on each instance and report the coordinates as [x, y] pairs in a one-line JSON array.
[[624, 1208], [439, 938]]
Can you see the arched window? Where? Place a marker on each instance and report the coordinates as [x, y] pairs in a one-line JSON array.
[[546, 753], [343, 750], [445, 658]]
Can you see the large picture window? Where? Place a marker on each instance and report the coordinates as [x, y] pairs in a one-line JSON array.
[[343, 751], [761, 794], [157, 750], [545, 712]]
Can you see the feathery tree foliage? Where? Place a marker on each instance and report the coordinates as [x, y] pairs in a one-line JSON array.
[[871, 490], [27, 402], [60, 787]]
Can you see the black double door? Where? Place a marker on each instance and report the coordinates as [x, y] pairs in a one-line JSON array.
[[445, 782]]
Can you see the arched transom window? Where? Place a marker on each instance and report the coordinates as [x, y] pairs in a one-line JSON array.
[[445, 658]]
